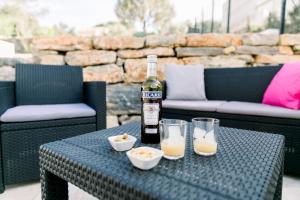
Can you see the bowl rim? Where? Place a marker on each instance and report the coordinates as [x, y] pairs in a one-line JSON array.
[[130, 139], [159, 155]]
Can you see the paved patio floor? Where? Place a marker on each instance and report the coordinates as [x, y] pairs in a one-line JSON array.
[[291, 191]]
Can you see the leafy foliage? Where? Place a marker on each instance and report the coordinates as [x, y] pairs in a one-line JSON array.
[[147, 13], [272, 21], [294, 15], [205, 27], [16, 20]]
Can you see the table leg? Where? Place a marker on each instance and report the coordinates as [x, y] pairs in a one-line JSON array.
[[53, 187], [278, 192], [2, 187]]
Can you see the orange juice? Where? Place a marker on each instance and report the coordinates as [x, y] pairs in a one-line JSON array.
[[175, 149], [203, 146]]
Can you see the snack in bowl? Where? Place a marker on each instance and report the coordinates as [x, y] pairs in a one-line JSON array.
[[122, 142], [121, 138], [144, 157]]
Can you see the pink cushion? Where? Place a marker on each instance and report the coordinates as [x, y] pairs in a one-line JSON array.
[[284, 89]]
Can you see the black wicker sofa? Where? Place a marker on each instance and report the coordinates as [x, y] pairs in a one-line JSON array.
[[234, 96], [73, 107]]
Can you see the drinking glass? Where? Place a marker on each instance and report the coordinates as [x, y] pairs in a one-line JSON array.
[[205, 131], [172, 137]]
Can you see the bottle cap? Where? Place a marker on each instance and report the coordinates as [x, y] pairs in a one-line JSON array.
[[152, 58]]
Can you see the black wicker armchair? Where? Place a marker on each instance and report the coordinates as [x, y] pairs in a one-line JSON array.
[[38, 86]]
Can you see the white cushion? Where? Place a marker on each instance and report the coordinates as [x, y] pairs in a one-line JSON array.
[[185, 82], [46, 112], [258, 109], [209, 105]]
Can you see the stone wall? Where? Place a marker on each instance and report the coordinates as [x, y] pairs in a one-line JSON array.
[[121, 61]]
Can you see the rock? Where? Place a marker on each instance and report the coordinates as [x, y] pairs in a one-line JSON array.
[[165, 41], [90, 57], [111, 73], [213, 40], [131, 54], [198, 51], [262, 65], [229, 50], [22, 45], [19, 58], [46, 52], [220, 61], [256, 39], [136, 69], [287, 50], [123, 118], [120, 62], [7, 73], [111, 121], [121, 42], [159, 51], [276, 59], [62, 43], [297, 49], [256, 50], [52, 59], [123, 99], [134, 118], [289, 39]]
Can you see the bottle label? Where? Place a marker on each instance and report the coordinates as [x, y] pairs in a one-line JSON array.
[[151, 113], [152, 94], [151, 130]]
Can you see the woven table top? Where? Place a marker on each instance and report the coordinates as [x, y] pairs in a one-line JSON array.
[[246, 166]]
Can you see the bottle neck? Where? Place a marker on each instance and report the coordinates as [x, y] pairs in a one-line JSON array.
[[152, 70]]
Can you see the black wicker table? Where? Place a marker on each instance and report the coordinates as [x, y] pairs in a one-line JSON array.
[[248, 165]]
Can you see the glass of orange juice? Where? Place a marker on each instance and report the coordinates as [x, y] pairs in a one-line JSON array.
[[205, 132], [172, 138]]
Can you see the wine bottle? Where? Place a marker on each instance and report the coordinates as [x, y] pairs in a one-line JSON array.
[[151, 103]]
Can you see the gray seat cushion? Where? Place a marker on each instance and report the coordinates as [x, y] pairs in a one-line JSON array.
[[47, 112], [208, 105], [258, 109]]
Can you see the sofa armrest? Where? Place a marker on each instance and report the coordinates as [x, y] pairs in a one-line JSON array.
[[164, 84], [95, 97], [7, 97]]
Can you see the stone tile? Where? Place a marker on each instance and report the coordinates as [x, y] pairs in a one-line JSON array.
[[27, 191], [291, 188]]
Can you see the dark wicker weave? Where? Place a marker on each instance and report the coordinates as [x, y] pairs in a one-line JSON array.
[[248, 85], [248, 165], [44, 84]]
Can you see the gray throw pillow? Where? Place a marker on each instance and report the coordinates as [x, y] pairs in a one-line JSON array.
[[185, 82]]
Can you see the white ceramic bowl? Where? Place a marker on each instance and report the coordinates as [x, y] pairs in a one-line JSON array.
[[123, 145], [145, 164]]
